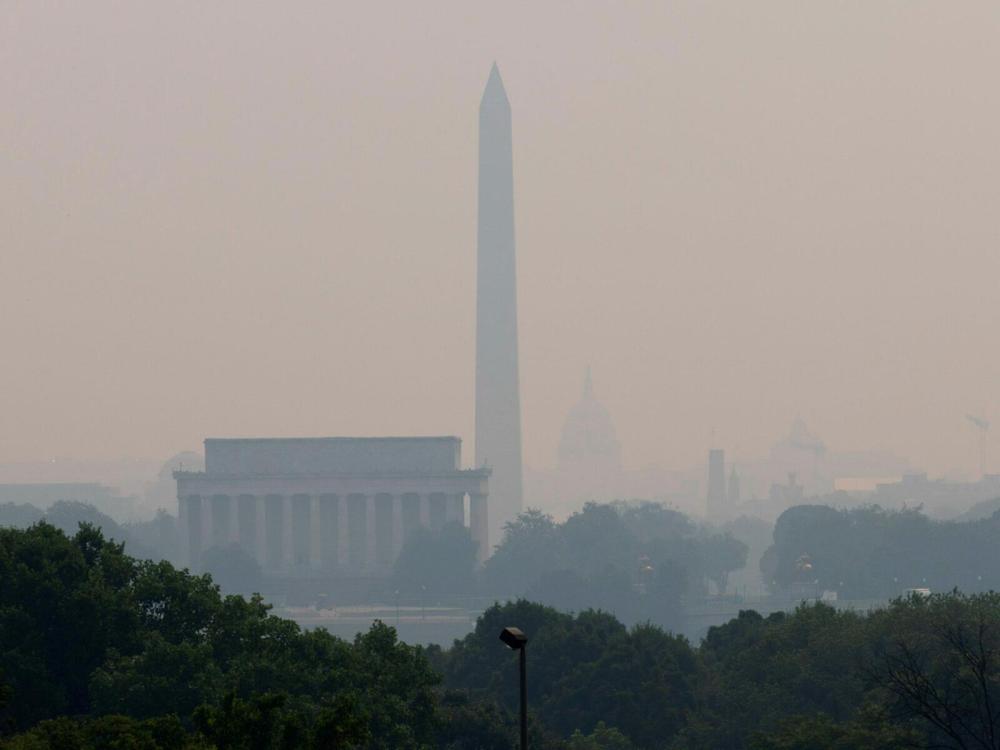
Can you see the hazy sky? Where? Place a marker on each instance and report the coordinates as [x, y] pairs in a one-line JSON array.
[[236, 219]]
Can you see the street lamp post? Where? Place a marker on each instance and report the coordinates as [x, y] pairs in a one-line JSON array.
[[516, 640]]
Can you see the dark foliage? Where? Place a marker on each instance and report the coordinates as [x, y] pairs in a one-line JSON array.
[[584, 669], [87, 631], [869, 552], [233, 569], [441, 562], [634, 560], [98, 650]]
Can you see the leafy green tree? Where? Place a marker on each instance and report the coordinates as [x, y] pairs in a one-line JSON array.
[[87, 631], [530, 547], [597, 538], [163, 678], [602, 738], [106, 733], [937, 659], [177, 605], [722, 554], [582, 670], [635, 560], [642, 683], [872, 730], [261, 653], [757, 671], [158, 536], [609, 589], [61, 606], [652, 521], [480, 664], [19, 516], [260, 723], [441, 561], [233, 569], [397, 683], [474, 725], [869, 552], [69, 515], [99, 650], [342, 723]]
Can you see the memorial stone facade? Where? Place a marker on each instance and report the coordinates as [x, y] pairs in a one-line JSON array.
[[337, 505]]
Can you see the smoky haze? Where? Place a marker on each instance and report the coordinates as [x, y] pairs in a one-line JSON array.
[[257, 219]]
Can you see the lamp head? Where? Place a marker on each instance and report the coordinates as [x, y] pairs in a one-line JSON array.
[[514, 638]]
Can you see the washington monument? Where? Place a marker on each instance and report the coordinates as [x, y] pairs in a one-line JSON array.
[[498, 401]]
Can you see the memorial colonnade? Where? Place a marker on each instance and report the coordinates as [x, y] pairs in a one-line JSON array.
[[353, 527]]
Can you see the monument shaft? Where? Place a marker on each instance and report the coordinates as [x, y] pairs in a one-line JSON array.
[[498, 404]]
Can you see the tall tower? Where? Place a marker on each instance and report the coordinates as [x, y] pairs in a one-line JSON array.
[[498, 401], [733, 490], [716, 500]]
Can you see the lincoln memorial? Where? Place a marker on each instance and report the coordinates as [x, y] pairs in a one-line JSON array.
[[342, 505]]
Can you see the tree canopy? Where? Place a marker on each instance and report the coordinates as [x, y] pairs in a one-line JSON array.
[[869, 552], [88, 631], [99, 650], [635, 560]]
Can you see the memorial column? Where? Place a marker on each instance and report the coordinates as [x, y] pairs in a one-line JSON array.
[[343, 533], [315, 534], [287, 556], [260, 528], [370, 556], [425, 510], [454, 511], [397, 526], [234, 519]]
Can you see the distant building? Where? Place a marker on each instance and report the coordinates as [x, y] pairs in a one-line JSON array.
[[803, 453], [939, 496], [819, 472], [343, 505], [162, 492], [590, 468], [716, 504], [789, 494], [733, 490], [589, 441], [43, 494]]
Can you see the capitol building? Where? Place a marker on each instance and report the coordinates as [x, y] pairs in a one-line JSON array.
[[589, 465]]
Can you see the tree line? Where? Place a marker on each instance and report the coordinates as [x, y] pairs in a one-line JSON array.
[[636, 559], [871, 553], [98, 649]]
